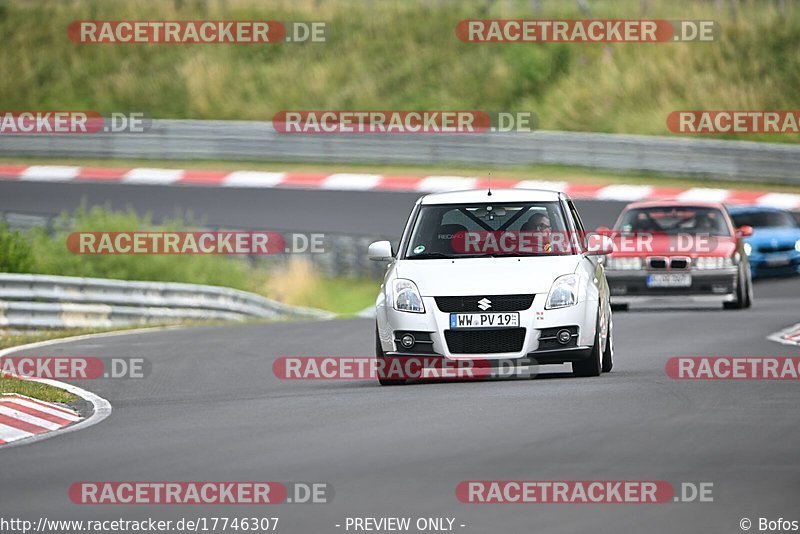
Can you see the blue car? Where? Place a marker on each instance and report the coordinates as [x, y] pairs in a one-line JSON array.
[[774, 246]]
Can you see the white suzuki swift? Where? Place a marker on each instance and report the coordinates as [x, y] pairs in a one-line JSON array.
[[495, 276]]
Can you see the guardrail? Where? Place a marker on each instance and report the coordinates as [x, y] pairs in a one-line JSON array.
[[251, 140], [44, 301]]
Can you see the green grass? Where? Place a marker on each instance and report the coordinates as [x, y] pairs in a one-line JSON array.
[[403, 54], [579, 175], [35, 390], [346, 296], [14, 339]]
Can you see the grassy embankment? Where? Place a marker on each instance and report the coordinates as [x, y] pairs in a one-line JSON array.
[[404, 55]]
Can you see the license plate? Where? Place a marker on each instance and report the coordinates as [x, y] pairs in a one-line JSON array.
[[483, 320], [669, 280], [776, 260]]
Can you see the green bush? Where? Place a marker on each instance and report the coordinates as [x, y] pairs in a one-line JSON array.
[[53, 257], [16, 254]]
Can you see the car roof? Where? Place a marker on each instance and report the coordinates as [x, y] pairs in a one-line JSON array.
[[755, 209], [497, 195], [675, 204]]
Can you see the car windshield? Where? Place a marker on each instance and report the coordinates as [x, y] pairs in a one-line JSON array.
[[489, 229], [765, 219], [674, 220]]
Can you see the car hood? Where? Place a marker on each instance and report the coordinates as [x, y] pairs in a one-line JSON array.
[[490, 276], [672, 245], [780, 236]]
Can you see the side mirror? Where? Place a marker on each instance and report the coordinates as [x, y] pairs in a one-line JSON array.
[[380, 251], [599, 245], [744, 231], [604, 230]]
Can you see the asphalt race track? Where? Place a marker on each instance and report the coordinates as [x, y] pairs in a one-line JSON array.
[[313, 210], [212, 409]]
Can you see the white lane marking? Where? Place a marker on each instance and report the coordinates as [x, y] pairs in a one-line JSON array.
[[434, 184], [786, 336], [703, 194], [351, 182], [11, 434], [253, 179], [147, 176], [49, 173], [779, 200], [41, 408], [32, 419], [624, 192]]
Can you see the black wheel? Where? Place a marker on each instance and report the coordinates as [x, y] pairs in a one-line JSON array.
[[608, 354], [382, 364], [748, 301], [741, 294], [591, 366], [619, 307]]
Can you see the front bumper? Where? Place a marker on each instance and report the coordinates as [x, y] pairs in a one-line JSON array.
[[774, 264], [535, 347], [707, 286]]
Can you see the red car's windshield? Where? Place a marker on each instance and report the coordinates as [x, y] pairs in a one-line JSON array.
[[674, 220]]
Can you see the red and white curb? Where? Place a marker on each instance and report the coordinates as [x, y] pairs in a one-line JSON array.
[[100, 407], [22, 417], [379, 182], [787, 336]]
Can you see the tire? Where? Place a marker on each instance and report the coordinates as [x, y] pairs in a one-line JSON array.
[[741, 294], [593, 365], [379, 355], [619, 307], [748, 302], [608, 354]]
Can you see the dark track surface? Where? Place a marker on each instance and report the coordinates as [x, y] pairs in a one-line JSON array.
[[298, 210]]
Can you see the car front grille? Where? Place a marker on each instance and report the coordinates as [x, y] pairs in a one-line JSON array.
[[497, 303], [677, 263], [490, 341], [780, 247]]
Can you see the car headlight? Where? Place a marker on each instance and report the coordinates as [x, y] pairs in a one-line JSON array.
[[748, 248], [712, 262], [406, 296], [624, 264], [563, 293], [797, 245]]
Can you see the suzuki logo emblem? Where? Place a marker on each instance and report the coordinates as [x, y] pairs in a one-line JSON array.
[[484, 304]]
